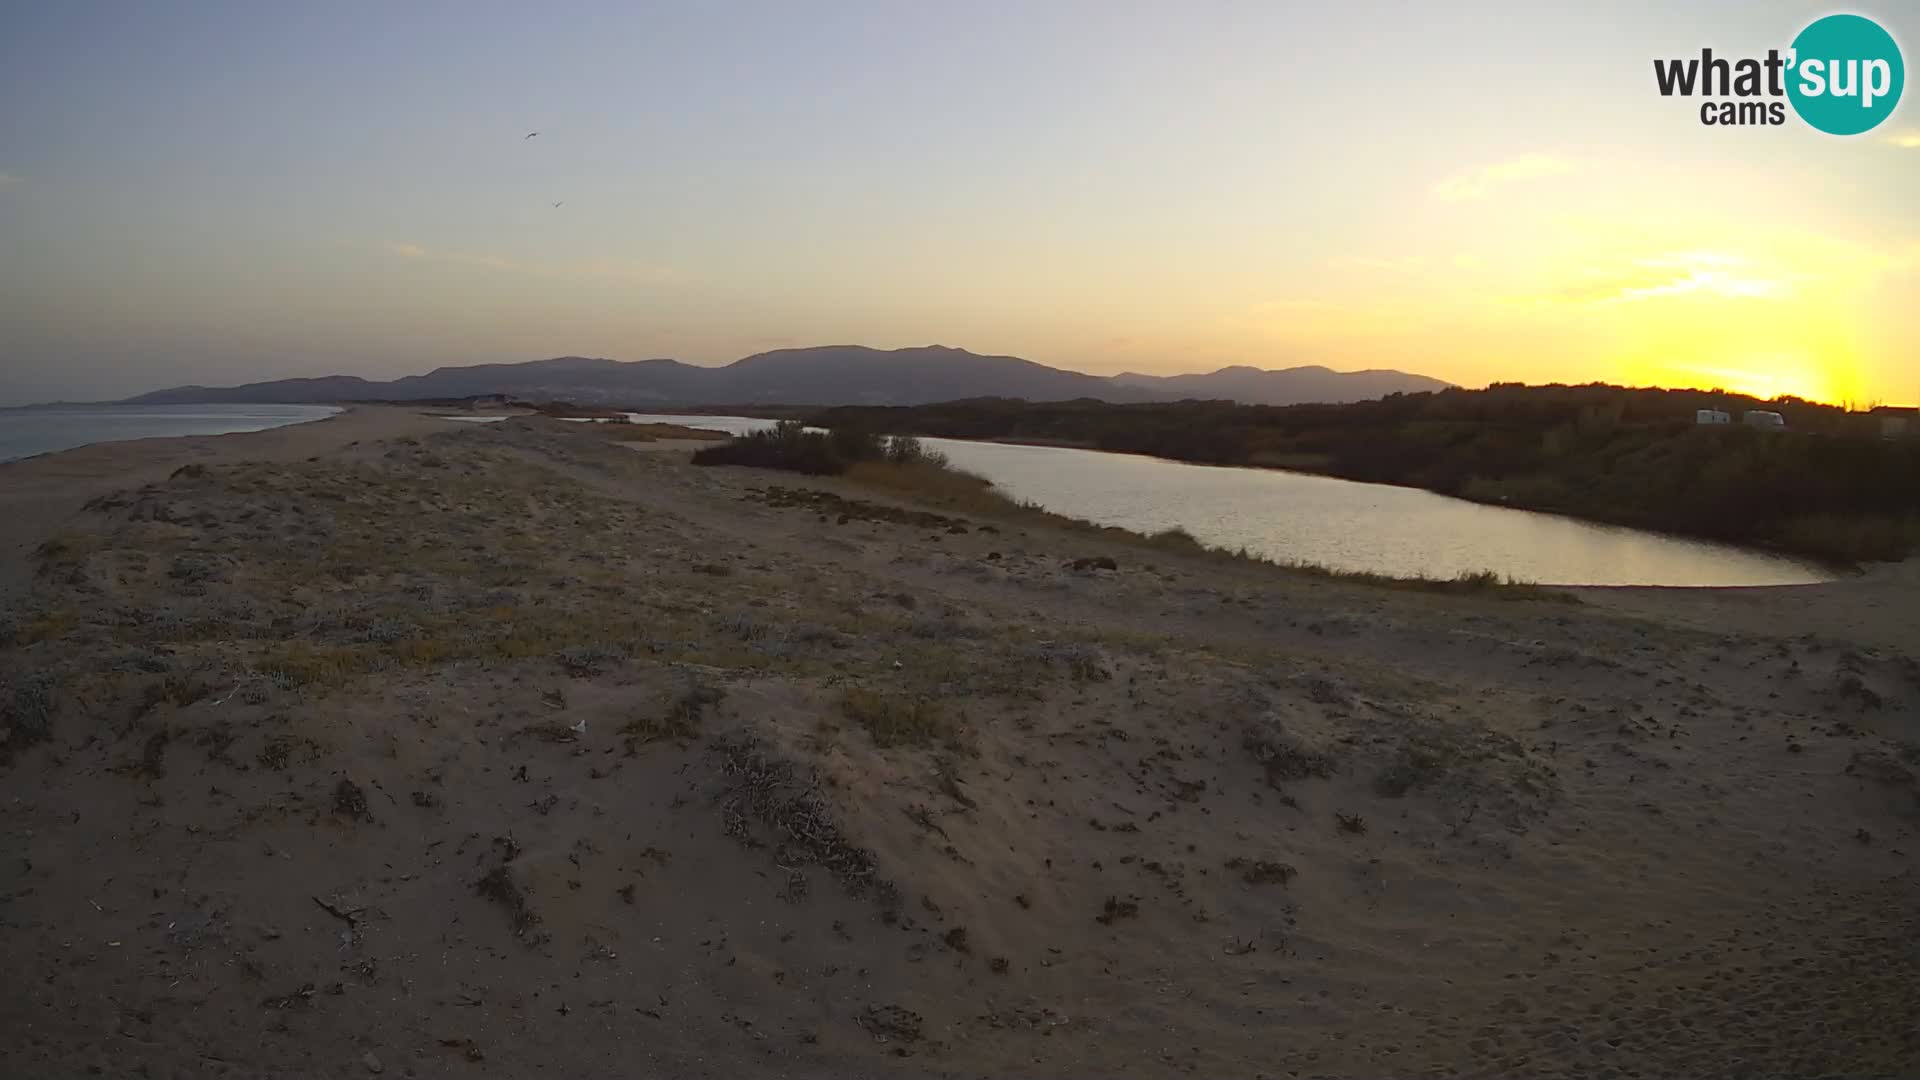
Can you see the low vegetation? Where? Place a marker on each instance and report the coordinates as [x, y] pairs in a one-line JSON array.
[[898, 720], [682, 718], [1261, 871], [773, 802], [794, 447], [1286, 756], [26, 713], [627, 431], [901, 467], [1465, 583], [500, 886]]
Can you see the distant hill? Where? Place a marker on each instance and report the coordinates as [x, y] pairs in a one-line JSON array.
[[1285, 386], [826, 375]]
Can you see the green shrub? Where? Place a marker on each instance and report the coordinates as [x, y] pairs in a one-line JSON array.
[[790, 446], [787, 446]]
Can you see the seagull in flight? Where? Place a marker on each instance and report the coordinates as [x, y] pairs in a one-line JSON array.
[[559, 204], [528, 135]]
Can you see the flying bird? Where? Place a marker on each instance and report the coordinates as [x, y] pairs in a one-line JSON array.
[[557, 205], [528, 135]]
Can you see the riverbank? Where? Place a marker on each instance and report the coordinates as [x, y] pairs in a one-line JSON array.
[[509, 749], [1300, 513], [1829, 487]]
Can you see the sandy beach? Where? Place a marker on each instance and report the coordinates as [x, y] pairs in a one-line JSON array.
[[387, 744]]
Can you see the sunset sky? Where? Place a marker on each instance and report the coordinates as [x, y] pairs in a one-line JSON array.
[[225, 192]]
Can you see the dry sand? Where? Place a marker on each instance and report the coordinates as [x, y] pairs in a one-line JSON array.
[[391, 744]]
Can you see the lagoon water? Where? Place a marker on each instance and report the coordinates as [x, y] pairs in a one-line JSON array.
[[26, 432], [1339, 523]]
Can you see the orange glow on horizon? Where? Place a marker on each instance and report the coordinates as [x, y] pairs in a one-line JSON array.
[[1765, 381]]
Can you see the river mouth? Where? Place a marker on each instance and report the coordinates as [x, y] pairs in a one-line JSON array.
[[1342, 524]]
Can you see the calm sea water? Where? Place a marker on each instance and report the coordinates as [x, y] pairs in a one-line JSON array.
[[26, 432], [1339, 523]]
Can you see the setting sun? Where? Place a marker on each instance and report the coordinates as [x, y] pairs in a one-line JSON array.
[[1768, 377]]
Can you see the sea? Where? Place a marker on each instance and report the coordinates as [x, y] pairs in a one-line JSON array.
[[49, 429]]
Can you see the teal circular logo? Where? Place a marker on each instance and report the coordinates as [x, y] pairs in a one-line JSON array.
[[1845, 75]]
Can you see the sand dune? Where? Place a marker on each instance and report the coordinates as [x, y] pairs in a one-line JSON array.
[[384, 744]]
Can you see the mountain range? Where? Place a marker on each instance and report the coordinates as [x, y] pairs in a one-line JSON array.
[[1285, 386], [826, 375]]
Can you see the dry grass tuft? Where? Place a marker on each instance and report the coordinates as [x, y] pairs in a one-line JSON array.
[[1262, 871], [934, 484], [26, 713], [770, 791], [630, 432], [681, 720], [302, 663], [350, 802], [1285, 755], [897, 720], [500, 887]]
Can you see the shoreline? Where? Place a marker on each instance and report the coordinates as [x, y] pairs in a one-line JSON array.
[[91, 411], [1838, 571], [1631, 457], [41, 494], [1838, 568], [29, 514], [1840, 574], [1825, 566], [434, 744]]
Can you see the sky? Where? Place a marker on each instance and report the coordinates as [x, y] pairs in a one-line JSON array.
[[223, 192]]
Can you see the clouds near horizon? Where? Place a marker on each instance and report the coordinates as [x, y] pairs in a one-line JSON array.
[[1678, 273], [1502, 195]]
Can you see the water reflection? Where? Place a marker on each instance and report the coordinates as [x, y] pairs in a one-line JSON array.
[[1339, 523]]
